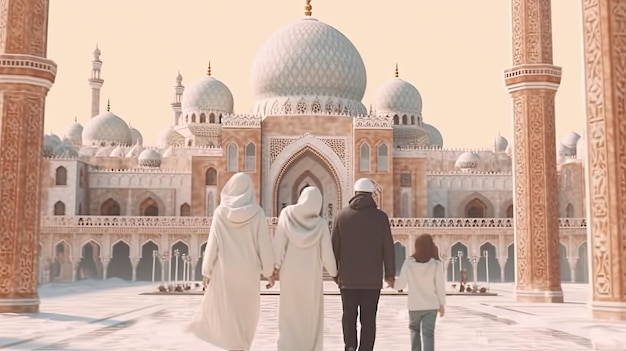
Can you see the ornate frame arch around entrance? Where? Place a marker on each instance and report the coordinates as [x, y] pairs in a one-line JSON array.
[[287, 165]]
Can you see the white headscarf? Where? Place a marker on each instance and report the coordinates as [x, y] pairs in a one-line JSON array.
[[238, 203], [302, 222]]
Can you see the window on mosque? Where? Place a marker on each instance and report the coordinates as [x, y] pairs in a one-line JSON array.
[[569, 211], [232, 158], [364, 162], [202, 118], [212, 118], [439, 212], [383, 159], [149, 207], [406, 206], [59, 209], [250, 163], [405, 179], [110, 208], [80, 178], [509, 211], [185, 210], [211, 176], [396, 119], [61, 176], [475, 209]]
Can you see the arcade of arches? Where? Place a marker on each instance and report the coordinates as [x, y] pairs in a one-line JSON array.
[[26, 75]]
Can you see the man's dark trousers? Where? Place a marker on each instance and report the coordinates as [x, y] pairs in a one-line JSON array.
[[364, 303]]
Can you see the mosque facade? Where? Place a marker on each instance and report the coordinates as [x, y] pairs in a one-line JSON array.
[[115, 207]]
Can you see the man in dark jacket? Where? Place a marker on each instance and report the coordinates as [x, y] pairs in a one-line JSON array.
[[363, 245]]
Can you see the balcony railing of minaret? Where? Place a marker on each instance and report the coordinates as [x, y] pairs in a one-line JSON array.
[[168, 221]]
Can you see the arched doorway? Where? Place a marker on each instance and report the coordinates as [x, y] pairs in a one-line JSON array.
[[494, 266], [120, 266], [307, 166], [509, 266], [198, 275], [459, 252], [90, 266], [475, 209], [566, 272], [176, 270], [144, 268], [149, 207]]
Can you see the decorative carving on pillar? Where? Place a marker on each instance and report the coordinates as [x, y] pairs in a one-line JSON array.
[[532, 83], [604, 27], [25, 77]]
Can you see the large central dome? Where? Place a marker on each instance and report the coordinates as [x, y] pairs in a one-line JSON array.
[[308, 62]]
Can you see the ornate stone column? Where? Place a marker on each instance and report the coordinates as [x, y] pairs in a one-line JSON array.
[[532, 83], [25, 77], [604, 26]]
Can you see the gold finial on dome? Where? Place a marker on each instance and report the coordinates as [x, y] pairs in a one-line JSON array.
[[308, 8], [208, 71], [108, 105], [397, 74]]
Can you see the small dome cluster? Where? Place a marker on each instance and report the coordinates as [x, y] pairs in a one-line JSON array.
[[54, 147]]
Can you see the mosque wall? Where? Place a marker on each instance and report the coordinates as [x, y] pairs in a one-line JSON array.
[[201, 168], [409, 180], [571, 182], [380, 166]]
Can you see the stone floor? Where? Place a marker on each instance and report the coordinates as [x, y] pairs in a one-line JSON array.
[[114, 316]]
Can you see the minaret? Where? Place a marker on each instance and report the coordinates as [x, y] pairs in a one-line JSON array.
[[178, 96], [95, 82], [26, 75]]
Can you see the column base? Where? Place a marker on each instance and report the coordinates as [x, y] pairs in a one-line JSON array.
[[615, 311], [29, 305], [545, 296]]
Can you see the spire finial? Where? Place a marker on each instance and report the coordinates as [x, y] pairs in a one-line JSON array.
[[208, 71], [308, 8], [75, 119], [397, 74], [108, 105]]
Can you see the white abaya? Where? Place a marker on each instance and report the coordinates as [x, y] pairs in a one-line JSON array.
[[238, 251], [302, 247]]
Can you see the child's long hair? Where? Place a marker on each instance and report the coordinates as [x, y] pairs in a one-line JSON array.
[[425, 249]]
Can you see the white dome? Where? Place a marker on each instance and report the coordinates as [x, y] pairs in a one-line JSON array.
[[149, 158], [410, 136], [136, 136], [170, 137], [467, 160], [50, 143], [65, 150], [398, 97], [106, 129], [117, 152], [306, 61], [564, 150], [570, 139], [500, 144], [206, 95], [73, 133], [581, 148], [434, 136]]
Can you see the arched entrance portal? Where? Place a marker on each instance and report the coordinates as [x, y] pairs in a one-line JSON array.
[[307, 167]]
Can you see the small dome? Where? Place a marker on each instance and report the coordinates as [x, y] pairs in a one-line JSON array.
[[134, 151], [409, 136], [169, 137], [137, 138], [149, 158], [117, 152], [509, 150], [563, 150], [468, 160], [168, 153], [106, 129], [398, 97], [308, 60], [570, 139], [434, 136], [73, 133], [50, 143], [500, 144], [206, 95], [65, 150]]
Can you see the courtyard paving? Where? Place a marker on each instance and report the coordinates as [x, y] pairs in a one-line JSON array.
[[114, 315]]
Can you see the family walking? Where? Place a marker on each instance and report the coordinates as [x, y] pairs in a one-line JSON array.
[[358, 254]]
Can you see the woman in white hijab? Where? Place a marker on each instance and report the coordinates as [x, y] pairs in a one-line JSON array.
[[302, 246], [239, 249]]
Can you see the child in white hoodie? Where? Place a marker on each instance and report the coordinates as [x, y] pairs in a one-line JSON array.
[[423, 272]]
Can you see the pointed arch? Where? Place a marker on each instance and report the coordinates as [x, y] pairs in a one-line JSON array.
[[569, 210], [404, 120], [439, 211], [476, 205], [510, 211], [149, 207], [250, 161], [60, 176], [382, 163], [364, 158], [396, 119], [185, 210], [212, 117], [232, 159], [211, 176], [59, 208], [110, 207], [202, 118]]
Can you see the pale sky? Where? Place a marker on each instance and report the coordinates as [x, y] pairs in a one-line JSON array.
[[453, 51]]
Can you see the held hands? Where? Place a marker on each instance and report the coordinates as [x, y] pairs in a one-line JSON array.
[[390, 281], [271, 280], [442, 310], [205, 282]]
